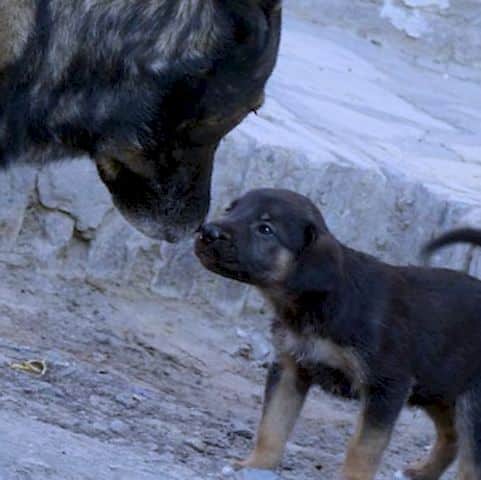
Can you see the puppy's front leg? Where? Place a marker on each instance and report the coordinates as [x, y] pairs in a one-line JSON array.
[[382, 404], [285, 392]]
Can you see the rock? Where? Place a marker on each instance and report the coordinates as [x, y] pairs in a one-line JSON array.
[[386, 145], [242, 430], [443, 29], [411, 22], [228, 471], [58, 228], [244, 351], [100, 427], [95, 401], [256, 475], [116, 249], [255, 346], [75, 188], [248, 474], [127, 399], [196, 443], [119, 427], [261, 347], [16, 186]]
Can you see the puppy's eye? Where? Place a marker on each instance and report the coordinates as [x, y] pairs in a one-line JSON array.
[[265, 229]]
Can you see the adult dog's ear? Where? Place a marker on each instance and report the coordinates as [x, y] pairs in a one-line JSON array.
[[319, 268], [269, 5]]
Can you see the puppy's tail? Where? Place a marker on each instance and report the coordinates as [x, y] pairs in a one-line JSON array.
[[461, 235]]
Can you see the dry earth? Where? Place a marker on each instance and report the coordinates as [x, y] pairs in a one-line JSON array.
[[140, 389]]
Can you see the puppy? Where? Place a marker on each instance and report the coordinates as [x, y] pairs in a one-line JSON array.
[[399, 334]]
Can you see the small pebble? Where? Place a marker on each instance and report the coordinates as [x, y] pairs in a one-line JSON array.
[[245, 351], [196, 443], [228, 471], [256, 475], [127, 399], [118, 426]]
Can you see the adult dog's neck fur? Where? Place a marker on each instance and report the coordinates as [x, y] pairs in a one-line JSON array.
[[16, 24], [42, 41]]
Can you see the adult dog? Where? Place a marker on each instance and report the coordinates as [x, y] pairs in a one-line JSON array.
[[146, 88], [401, 334]]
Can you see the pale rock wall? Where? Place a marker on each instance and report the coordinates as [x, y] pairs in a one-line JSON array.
[[449, 30], [389, 158]]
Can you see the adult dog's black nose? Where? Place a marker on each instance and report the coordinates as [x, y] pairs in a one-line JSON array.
[[210, 232]]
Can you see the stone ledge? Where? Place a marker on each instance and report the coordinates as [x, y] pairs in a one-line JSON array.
[[387, 148]]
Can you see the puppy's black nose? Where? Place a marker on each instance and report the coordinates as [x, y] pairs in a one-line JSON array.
[[210, 232]]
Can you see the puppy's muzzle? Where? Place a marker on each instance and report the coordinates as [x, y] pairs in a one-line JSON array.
[[211, 232]]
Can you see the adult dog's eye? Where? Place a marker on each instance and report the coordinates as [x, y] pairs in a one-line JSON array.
[[265, 229]]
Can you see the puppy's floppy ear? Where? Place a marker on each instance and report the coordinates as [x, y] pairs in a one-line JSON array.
[[319, 268], [310, 235]]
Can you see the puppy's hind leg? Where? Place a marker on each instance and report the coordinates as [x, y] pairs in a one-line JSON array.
[[286, 388], [468, 416], [382, 403], [445, 449]]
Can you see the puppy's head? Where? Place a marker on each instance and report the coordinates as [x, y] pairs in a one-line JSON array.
[[271, 239]]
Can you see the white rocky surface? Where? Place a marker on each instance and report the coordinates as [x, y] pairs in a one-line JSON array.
[[386, 143], [377, 120]]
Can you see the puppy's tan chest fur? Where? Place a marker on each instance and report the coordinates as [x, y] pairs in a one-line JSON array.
[[312, 350]]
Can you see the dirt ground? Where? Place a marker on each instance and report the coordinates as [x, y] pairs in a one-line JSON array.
[[140, 389]]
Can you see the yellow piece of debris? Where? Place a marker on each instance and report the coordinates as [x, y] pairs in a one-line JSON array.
[[38, 367]]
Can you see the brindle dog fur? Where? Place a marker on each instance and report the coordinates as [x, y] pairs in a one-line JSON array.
[[146, 88], [399, 334]]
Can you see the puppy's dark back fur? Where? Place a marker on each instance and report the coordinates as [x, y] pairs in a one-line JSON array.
[[413, 312]]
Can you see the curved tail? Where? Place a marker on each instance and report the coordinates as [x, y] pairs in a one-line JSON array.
[[461, 235]]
